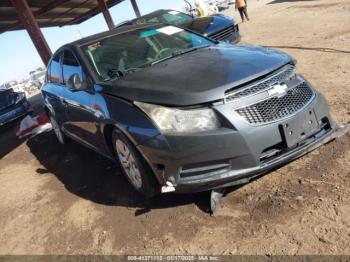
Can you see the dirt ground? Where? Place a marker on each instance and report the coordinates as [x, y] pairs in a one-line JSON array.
[[68, 200]]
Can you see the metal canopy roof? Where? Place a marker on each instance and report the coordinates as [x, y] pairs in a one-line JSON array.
[[51, 12]]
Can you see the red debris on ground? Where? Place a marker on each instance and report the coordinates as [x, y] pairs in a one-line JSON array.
[[33, 125]]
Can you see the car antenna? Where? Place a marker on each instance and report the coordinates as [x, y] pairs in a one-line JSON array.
[[81, 35]]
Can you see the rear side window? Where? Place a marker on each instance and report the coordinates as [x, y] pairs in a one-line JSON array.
[[54, 72], [70, 66]]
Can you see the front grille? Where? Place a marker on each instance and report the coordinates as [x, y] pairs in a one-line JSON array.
[[276, 108], [278, 77], [225, 33]]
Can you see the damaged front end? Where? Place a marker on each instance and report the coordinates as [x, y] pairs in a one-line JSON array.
[[263, 125]]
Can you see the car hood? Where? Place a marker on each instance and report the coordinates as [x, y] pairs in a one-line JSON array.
[[208, 25], [198, 77]]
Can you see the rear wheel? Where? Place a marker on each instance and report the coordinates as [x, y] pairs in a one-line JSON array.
[[134, 167]]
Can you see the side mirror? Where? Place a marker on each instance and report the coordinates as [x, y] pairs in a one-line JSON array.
[[75, 84]]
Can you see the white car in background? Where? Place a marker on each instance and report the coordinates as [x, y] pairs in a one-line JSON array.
[[37, 77], [221, 5], [211, 6], [14, 85]]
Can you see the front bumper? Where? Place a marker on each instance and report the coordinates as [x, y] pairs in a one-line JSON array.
[[233, 154]]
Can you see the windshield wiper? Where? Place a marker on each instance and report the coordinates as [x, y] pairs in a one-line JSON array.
[[116, 74], [131, 70], [180, 52]]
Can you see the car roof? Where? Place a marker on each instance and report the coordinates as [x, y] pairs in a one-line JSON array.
[[117, 30]]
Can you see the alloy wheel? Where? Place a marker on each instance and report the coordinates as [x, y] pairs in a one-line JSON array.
[[128, 164]]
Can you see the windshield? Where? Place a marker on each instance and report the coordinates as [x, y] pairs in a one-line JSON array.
[[169, 17], [115, 55], [6, 98]]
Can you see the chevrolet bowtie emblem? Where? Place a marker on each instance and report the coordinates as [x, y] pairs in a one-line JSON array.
[[278, 90]]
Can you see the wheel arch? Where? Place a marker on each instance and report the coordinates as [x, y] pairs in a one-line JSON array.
[[108, 132]]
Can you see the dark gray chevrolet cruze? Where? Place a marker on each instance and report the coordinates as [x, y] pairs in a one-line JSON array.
[[181, 112]]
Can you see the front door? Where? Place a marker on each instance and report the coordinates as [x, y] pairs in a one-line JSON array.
[[80, 120]]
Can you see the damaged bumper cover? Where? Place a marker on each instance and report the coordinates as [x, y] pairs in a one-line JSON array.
[[240, 150], [233, 178]]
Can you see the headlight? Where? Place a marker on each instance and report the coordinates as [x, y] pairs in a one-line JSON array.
[[172, 121]]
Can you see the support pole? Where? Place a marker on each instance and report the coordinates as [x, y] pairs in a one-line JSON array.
[[136, 8], [31, 25], [106, 14]]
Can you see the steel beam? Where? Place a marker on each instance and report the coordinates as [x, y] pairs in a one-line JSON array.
[[27, 18], [105, 11], [37, 13], [136, 8]]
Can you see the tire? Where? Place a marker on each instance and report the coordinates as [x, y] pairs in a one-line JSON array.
[[57, 130], [133, 165]]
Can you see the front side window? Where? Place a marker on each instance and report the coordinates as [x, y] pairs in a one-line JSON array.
[[137, 49], [54, 72], [70, 66]]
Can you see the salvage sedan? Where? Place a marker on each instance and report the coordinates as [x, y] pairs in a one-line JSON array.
[[218, 27], [13, 106], [180, 112]]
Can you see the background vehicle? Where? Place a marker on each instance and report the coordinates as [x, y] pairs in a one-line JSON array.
[[37, 77], [205, 8], [14, 85], [13, 105], [217, 27], [221, 4], [182, 112]]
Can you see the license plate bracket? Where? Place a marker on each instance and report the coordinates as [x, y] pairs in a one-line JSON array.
[[299, 128]]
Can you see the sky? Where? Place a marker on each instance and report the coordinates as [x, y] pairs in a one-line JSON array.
[[19, 56]]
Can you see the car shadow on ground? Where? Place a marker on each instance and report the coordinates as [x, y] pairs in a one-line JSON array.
[[317, 49], [8, 139], [286, 1], [92, 177]]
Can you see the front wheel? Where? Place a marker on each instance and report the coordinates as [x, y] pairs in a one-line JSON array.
[[134, 166]]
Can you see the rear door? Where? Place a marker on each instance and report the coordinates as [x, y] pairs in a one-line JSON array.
[[52, 90]]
